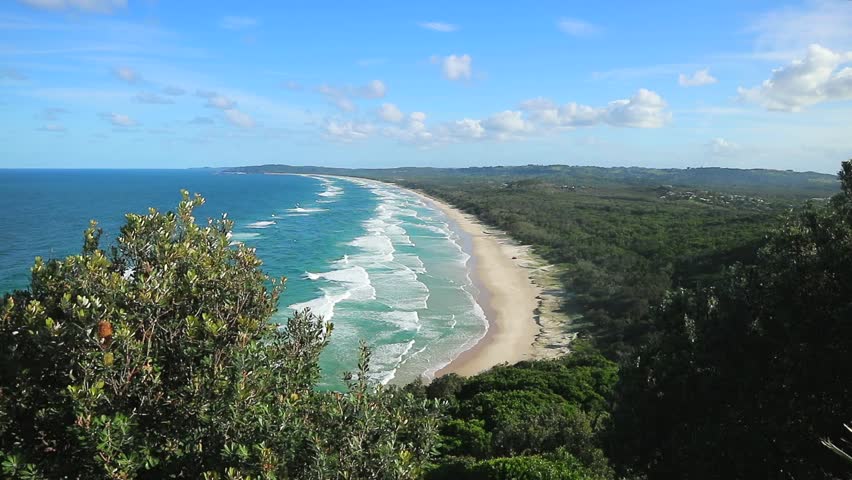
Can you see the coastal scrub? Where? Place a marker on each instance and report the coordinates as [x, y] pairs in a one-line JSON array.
[[156, 358]]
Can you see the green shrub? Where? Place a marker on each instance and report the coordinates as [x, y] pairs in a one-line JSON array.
[[528, 468], [556, 466], [465, 438], [158, 359]]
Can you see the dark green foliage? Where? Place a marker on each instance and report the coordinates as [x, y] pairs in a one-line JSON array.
[[445, 387], [466, 438], [755, 369], [158, 360], [584, 378], [509, 416], [558, 465]]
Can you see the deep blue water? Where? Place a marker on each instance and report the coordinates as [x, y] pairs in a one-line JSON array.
[[374, 259]]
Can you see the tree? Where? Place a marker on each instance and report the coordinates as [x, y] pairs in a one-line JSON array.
[[748, 369], [158, 359]]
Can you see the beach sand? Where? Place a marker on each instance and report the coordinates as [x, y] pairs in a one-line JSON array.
[[519, 293]]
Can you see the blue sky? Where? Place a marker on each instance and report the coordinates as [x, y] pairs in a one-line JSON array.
[[167, 84]]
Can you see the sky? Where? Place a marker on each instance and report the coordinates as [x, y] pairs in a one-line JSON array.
[[175, 84]]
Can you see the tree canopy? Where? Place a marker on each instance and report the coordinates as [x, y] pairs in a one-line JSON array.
[[157, 359]]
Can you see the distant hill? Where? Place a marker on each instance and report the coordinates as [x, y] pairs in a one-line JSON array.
[[780, 183]]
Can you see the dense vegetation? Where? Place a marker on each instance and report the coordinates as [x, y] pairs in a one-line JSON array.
[[541, 419], [623, 237], [719, 322], [157, 360], [754, 368], [730, 315], [755, 181]]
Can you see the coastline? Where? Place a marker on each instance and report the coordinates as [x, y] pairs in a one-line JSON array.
[[506, 294], [519, 292]]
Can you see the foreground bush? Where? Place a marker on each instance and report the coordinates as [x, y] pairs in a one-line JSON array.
[[158, 359], [554, 466], [535, 419]]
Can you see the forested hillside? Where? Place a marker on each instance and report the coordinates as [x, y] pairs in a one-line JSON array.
[[622, 237], [766, 182]]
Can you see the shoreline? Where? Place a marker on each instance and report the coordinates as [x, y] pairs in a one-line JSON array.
[[519, 292], [505, 293]]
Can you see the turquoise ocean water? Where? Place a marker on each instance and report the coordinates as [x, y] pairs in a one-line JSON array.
[[374, 259]]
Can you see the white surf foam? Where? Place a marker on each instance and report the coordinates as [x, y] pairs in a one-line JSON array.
[[323, 306], [243, 235], [398, 316], [331, 191], [387, 359], [305, 210], [261, 224]]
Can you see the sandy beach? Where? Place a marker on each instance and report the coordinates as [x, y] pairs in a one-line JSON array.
[[518, 291], [506, 294]]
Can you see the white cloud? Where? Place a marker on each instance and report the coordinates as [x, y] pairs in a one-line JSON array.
[[546, 113], [347, 131], [697, 79], [439, 26], [414, 130], [217, 100], [91, 6], [815, 79], [340, 96], [374, 89], [344, 104], [220, 101], [119, 120], [645, 109], [455, 67], [575, 115], [239, 118], [237, 22], [722, 147], [507, 124], [127, 74], [577, 28], [467, 128], [390, 113], [152, 98], [337, 97]]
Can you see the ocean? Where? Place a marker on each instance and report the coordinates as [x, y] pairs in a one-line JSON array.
[[381, 264]]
